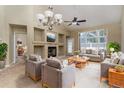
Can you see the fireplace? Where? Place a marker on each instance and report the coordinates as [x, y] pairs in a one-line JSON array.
[[51, 51]]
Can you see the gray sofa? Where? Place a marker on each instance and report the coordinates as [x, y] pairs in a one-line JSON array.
[[33, 67], [107, 63], [54, 75], [96, 57]]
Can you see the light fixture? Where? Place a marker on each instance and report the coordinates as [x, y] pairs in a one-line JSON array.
[[50, 19]]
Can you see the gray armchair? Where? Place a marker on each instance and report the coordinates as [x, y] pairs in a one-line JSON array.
[[54, 75], [105, 65], [33, 67]]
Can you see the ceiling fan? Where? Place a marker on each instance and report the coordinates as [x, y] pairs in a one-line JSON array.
[[75, 21]]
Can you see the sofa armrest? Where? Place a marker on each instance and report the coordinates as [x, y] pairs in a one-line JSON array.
[[102, 56], [105, 67], [68, 76]]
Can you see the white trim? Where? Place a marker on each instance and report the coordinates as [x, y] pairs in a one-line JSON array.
[[14, 50]]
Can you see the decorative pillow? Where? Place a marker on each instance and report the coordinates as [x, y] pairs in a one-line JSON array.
[[94, 52], [83, 51], [54, 62], [121, 61], [88, 51], [116, 60], [34, 57]]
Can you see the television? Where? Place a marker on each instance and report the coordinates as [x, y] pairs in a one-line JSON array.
[[51, 37]]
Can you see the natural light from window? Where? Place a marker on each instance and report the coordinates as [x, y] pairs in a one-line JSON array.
[[93, 39]]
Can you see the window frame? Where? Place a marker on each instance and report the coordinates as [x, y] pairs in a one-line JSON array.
[[98, 39]]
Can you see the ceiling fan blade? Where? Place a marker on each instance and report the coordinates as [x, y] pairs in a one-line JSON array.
[[81, 20], [69, 24], [67, 21], [77, 24]]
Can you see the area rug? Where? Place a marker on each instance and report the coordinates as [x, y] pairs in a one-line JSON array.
[[88, 77]]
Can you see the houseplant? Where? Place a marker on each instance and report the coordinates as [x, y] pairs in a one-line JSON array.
[[114, 45], [76, 53], [3, 54]]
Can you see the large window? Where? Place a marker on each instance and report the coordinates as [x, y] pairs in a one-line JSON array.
[[93, 39], [69, 45]]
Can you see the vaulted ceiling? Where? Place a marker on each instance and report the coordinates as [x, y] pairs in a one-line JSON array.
[[95, 15]]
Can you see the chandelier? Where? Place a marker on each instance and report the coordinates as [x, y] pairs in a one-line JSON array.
[[50, 19]]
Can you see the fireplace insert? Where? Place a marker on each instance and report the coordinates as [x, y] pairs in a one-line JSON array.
[[52, 52]]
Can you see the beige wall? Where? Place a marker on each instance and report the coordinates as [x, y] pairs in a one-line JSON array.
[[2, 23], [114, 33], [26, 16], [122, 29], [20, 16]]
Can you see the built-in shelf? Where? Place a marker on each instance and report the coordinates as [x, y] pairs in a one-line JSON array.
[[40, 43], [39, 50], [39, 35], [60, 38], [61, 44], [60, 50]]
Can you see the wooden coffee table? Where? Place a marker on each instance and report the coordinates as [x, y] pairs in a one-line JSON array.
[[116, 78], [78, 61]]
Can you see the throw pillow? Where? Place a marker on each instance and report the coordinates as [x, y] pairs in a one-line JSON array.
[[116, 60], [88, 51], [36, 58], [83, 51], [94, 52], [121, 61]]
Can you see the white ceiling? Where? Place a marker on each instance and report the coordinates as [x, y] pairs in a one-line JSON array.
[[95, 15]]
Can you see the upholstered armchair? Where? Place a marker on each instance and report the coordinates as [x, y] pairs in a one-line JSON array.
[[33, 67], [54, 75], [105, 65]]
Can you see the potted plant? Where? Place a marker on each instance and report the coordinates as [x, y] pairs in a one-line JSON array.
[[114, 46], [76, 53], [3, 54]]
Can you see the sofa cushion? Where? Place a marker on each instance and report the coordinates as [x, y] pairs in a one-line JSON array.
[[35, 58], [88, 51], [83, 51], [95, 52], [54, 62]]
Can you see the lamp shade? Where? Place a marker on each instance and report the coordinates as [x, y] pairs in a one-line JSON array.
[[60, 21], [48, 13], [58, 16], [40, 16]]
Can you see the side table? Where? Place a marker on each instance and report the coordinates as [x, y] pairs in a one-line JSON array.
[[116, 78]]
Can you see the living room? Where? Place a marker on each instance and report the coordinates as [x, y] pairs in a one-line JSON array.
[[77, 38]]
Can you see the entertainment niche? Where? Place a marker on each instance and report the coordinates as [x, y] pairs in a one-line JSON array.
[[41, 44]]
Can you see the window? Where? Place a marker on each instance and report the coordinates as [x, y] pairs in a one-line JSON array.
[[93, 39], [69, 45]]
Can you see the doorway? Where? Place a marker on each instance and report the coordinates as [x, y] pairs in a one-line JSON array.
[[18, 43]]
